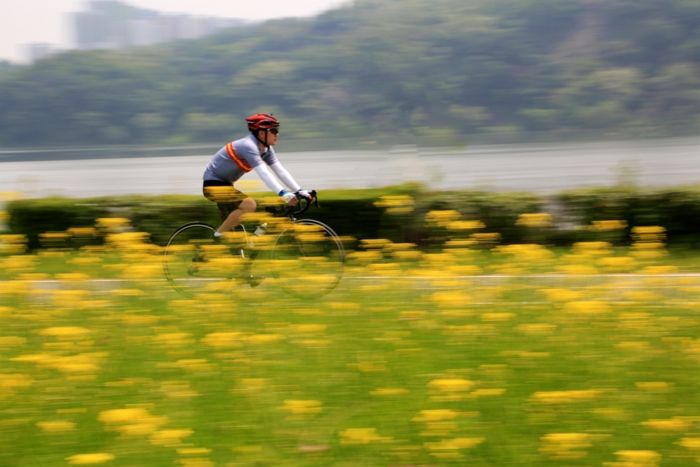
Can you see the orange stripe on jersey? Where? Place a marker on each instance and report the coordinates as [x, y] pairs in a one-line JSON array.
[[234, 157]]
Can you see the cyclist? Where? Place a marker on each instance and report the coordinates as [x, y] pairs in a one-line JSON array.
[[253, 152]]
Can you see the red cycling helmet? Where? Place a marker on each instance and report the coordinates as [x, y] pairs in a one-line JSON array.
[[262, 122]]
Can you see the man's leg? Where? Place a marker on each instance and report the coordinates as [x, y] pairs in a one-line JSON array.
[[233, 219]]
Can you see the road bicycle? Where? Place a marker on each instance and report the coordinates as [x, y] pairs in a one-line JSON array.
[[304, 257]]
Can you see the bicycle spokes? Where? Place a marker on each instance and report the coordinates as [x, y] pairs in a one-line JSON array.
[[195, 261], [307, 259]]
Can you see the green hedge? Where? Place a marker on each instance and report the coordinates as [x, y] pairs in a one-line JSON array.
[[349, 212], [676, 209], [361, 214]]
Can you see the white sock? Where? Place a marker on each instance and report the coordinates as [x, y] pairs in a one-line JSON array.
[[217, 234]]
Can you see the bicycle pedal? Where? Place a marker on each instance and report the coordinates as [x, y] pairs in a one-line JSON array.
[[253, 281]]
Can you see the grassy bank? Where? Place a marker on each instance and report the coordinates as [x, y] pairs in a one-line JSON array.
[[426, 363]]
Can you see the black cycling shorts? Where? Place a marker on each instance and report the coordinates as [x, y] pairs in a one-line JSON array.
[[226, 197]]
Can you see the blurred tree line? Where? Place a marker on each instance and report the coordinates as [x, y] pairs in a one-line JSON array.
[[412, 71]]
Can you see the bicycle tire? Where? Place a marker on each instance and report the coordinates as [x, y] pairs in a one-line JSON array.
[[307, 259], [193, 261]]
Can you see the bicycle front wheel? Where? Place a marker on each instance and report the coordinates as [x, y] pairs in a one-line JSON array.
[[307, 259], [193, 261]]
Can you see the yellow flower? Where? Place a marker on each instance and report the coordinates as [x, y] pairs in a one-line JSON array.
[[10, 383], [497, 316], [452, 298], [454, 444], [72, 276], [450, 388], [194, 364], [309, 328], [302, 407], [464, 269], [112, 223], [565, 445], [639, 458], [69, 298], [93, 458], [375, 243], [361, 436], [608, 225], [128, 415], [264, 338], [365, 257], [178, 389], [692, 444], [592, 247], [486, 238], [407, 255], [82, 231], [587, 307], [436, 415], [610, 413], [57, 426], [488, 392], [618, 263], [170, 438], [193, 451], [636, 346], [642, 296], [673, 424], [653, 386], [13, 244], [465, 225], [137, 429], [442, 218], [67, 332], [660, 269], [396, 204], [536, 328], [526, 252], [649, 230], [19, 262], [81, 363], [142, 271], [563, 397], [649, 247], [174, 339], [535, 220], [12, 341], [223, 339], [389, 392]]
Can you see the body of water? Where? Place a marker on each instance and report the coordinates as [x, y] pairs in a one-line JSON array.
[[541, 168]]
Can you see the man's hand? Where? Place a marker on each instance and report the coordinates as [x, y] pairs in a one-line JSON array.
[[290, 199], [304, 194]]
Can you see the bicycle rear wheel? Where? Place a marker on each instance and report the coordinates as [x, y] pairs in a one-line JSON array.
[[307, 259], [193, 261]]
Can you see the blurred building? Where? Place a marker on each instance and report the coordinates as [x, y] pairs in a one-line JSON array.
[[110, 24], [39, 51]]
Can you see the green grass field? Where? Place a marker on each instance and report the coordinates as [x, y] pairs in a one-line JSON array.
[[462, 357]]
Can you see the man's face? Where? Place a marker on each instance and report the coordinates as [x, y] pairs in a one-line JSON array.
[[272, 136]]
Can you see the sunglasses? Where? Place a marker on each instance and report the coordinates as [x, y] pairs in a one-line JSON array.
[[274, 131]]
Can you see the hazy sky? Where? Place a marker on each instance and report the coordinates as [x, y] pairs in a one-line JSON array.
[[45, 21]]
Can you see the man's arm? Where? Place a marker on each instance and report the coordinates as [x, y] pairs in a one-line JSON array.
[[284, 175], [269, 179], [272, 183]]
